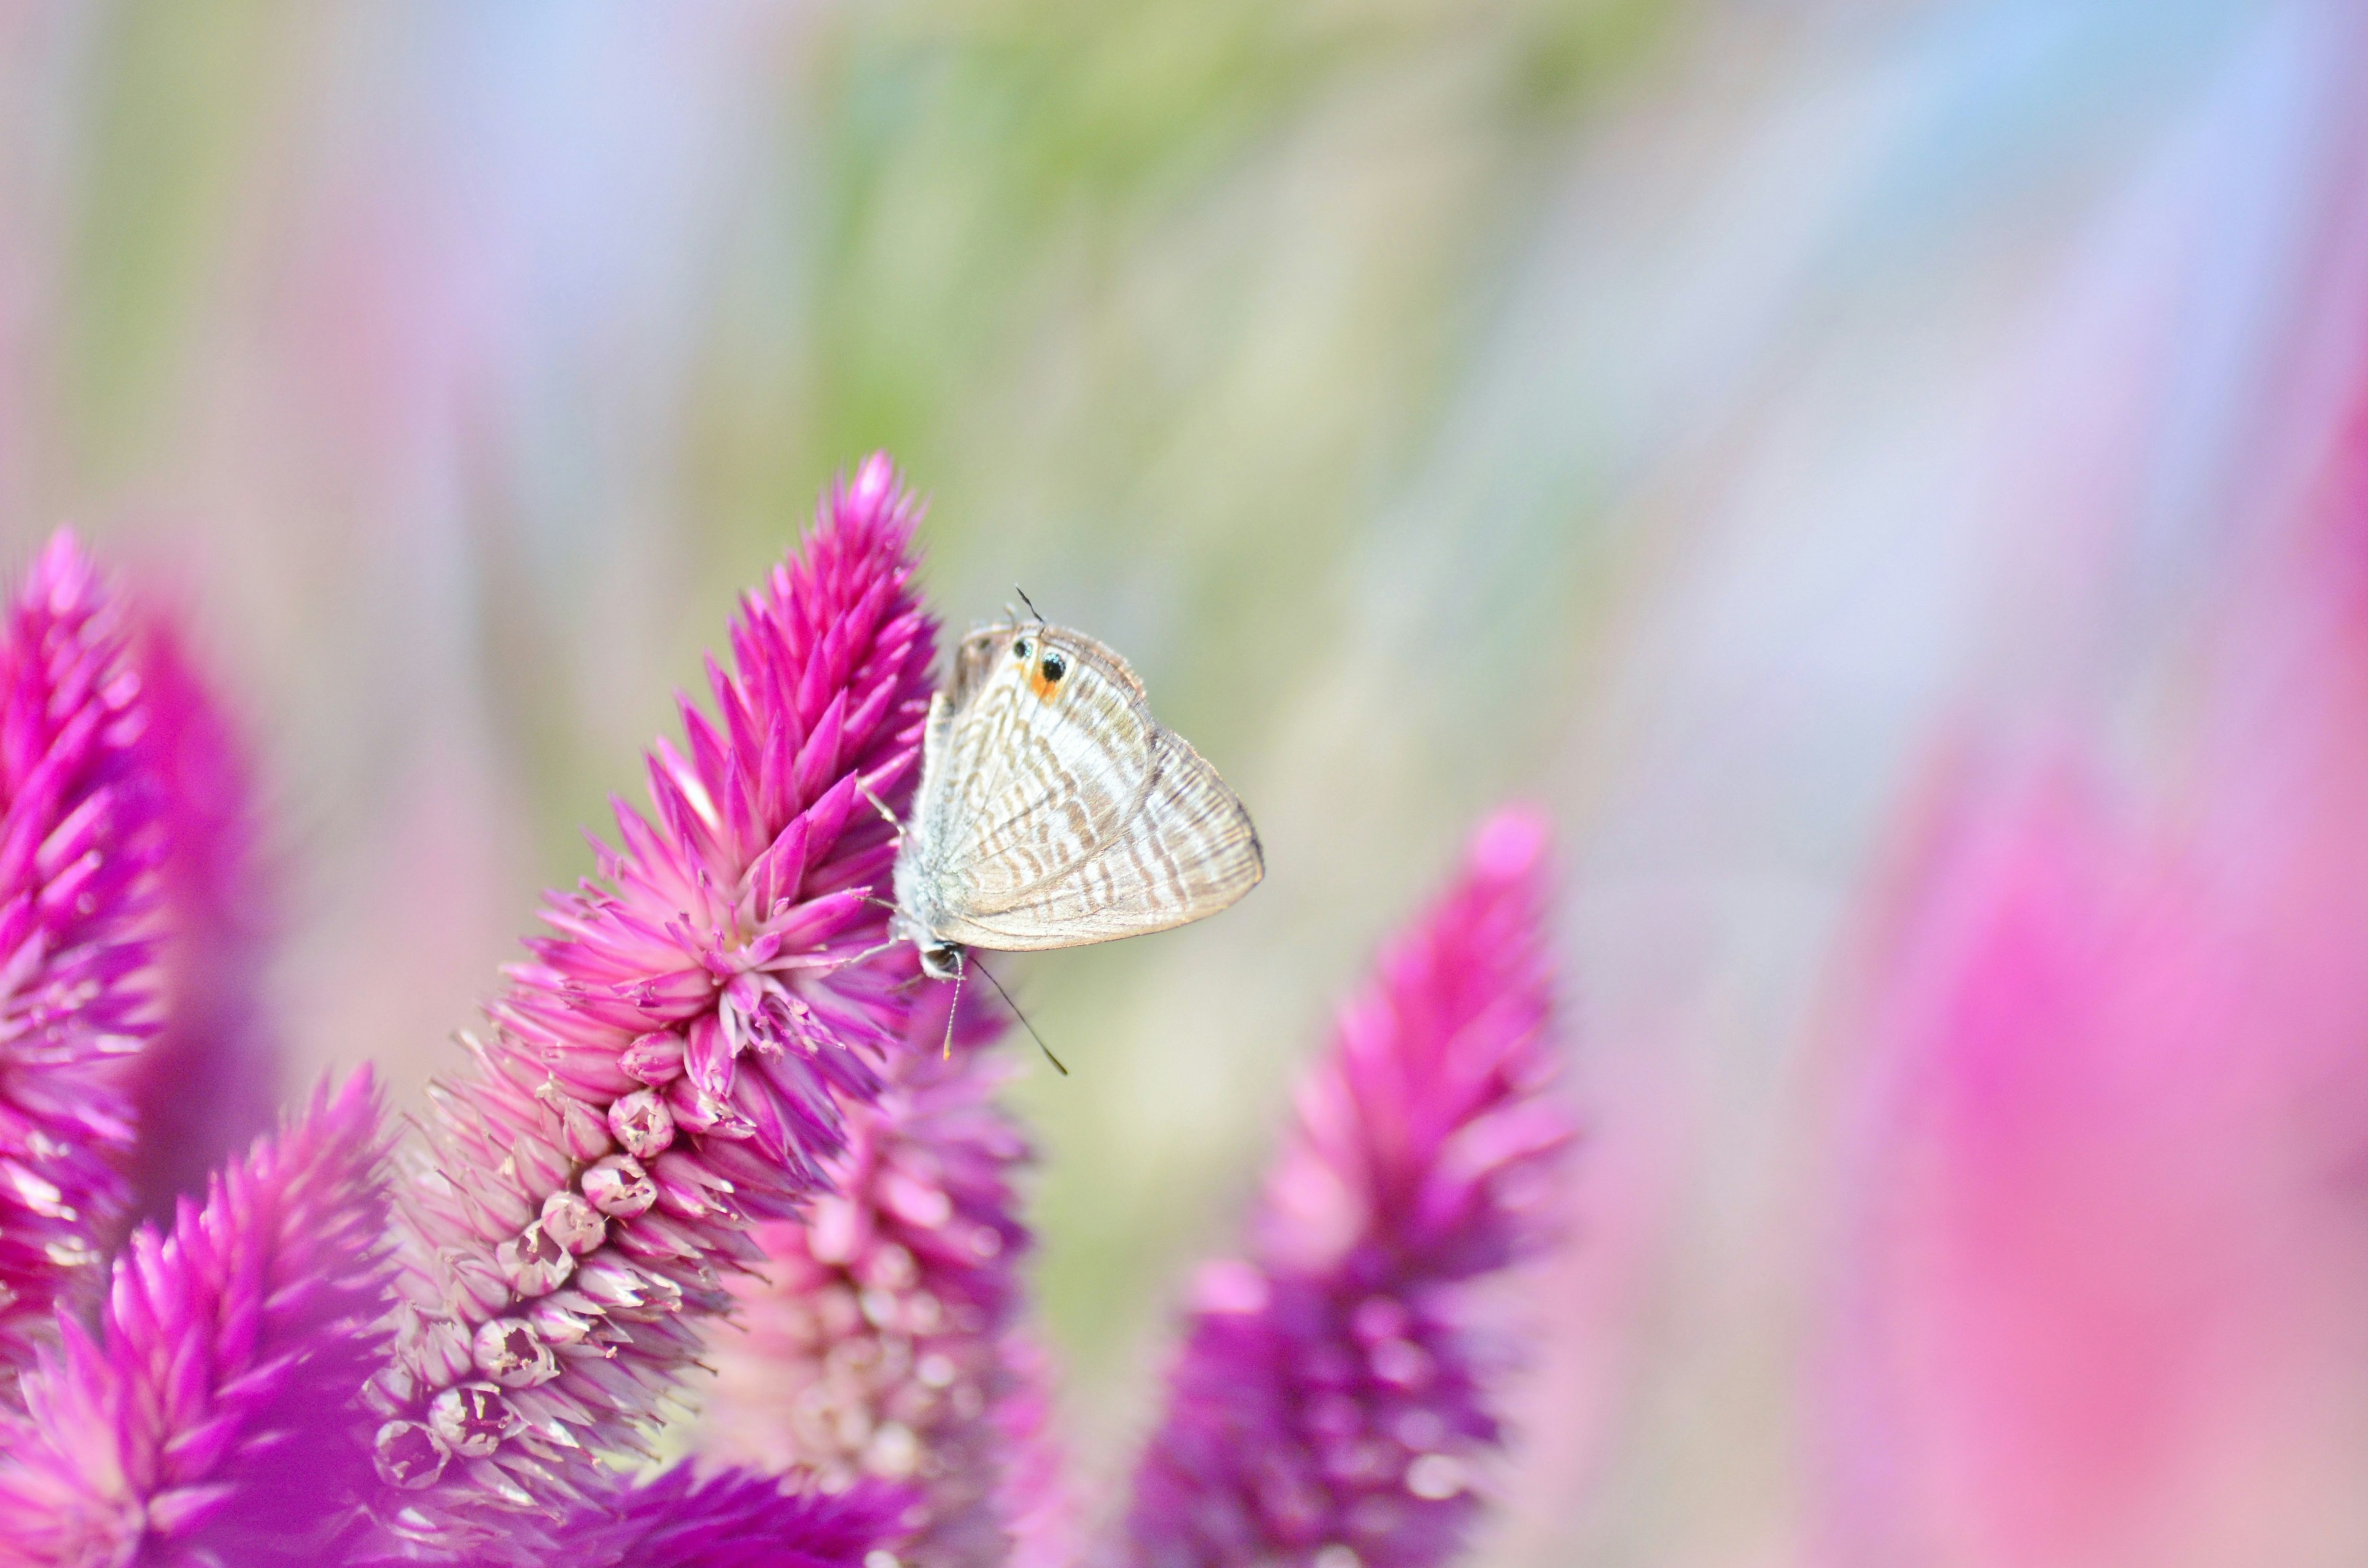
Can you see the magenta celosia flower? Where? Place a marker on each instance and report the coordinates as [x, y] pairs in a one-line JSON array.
[[207, 1085], [874, 1347], [1040, 1511], [738, 1519], [1329, 1406], [211, 1419], [2099, 1292], [665, 1071], [78, 843], [728, 1519]]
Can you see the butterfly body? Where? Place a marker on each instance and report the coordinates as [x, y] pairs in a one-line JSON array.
[[1054, 810]]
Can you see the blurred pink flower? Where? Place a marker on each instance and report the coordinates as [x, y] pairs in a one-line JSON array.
[[877, 1344], [736, 1519], [1041, 1513], [79, 840], [665, 1071], [211, 1419], [2103, 1297], [729, 1520], [1330, 1402], [207, 1084]]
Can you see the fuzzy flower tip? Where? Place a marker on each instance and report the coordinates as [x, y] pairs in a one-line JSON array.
[[207, 1086], [79, 840], [213, 1413], [1329, 1406], [730, 1519], [1039, 1511], [668, 1069], [875, 1345], [737, 1519]]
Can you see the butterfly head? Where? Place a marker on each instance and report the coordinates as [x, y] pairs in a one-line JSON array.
[[1046, 665], [939, 960]]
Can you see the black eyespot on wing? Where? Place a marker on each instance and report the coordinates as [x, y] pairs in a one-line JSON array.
[[1055, 667], [1019, 649]]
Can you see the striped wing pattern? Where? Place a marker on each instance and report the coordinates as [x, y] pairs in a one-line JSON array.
[[1057, 813]]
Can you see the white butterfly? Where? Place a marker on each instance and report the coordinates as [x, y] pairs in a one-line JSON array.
[[1054, 810]]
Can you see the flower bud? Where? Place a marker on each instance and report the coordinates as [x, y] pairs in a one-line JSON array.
[[410, 1455], [473, 1419], [653, 1059], [534, 1261], [512, 1352], [619, 1187], [573, 1223], [641, 1123]]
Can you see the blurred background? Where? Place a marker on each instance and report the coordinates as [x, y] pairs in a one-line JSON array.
[[1878, 469]]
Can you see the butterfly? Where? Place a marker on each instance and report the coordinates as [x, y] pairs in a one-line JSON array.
[[1054, 810]]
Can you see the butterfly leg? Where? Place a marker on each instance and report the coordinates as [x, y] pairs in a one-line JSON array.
[[953, 1007], [873, 951], [885, 814]]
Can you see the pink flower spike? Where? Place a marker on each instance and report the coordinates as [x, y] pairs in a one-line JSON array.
[[79, 840], [735, 1520], [207, 1084], [675, 1055], [2097, 1293], [729, 1520], [878, 1345], [1329, 1400], [212, 1419], [1040, 1511]]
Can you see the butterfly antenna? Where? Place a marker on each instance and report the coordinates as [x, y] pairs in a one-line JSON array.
[[1016, 1013], [1041, 621]]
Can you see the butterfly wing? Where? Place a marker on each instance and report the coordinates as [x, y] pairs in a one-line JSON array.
[[1030, 775], [1061, 813], [1187, 851]]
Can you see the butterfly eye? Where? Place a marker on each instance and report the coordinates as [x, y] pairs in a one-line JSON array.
[[1020, 650], [1055, 667]]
